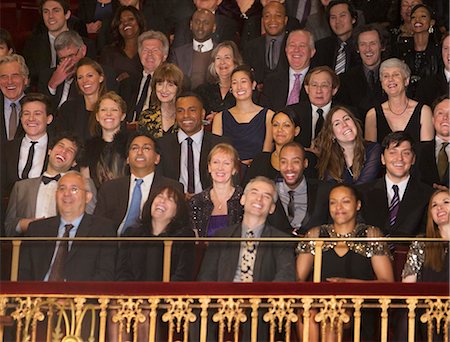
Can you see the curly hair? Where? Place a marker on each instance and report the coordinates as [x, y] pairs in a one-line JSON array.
[[116, 36], [331, 161]]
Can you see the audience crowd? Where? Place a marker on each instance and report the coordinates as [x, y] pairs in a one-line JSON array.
[[232, 119]]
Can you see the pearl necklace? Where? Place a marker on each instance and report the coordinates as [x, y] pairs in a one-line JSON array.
[[404, 110]]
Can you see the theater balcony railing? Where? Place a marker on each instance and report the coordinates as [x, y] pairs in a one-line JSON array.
[[62, 310]]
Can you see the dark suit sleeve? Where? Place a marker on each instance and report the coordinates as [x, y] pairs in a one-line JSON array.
[[284, 254], [106, 258], [25, 268], [210, 263], [11, 214], [183, 259]]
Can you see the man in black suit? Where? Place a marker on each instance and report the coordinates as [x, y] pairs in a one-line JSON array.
[[302, 202], [153, 49], [432, 87], [174, 147], [338, 51], [360, 86], [321, 84], [266, 53], [13, 81], [284, 87], [433, 156], [270, 262], [194, 57], [122, 199], [27, 156], [39, 50], [398, 202], [74, 260], [226, 28]]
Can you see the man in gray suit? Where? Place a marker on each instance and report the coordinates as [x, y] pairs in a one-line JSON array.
[[34, 198]]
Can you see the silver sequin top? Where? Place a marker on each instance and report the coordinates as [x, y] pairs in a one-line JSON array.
[[366, 249], [415, 259]]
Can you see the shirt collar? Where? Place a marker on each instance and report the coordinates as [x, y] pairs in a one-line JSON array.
[[401, 186], [303, 72], [298, 188], [197, 137], [325, 108], [207, 45], [43, 139], [17, 102], [257, 231], [76, 222]]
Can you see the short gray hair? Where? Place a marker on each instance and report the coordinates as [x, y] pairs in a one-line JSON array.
[[154, 35], [67, 39], [16, 58], [86, 183], [312, 43], [396, 63], [264, 180]]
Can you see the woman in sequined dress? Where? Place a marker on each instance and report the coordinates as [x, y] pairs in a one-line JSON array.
[[345, 261], [218, 206]]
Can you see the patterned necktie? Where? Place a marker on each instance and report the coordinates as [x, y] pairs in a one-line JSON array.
[[29, 163], [291, 205], [135, 206], [442, 160], [248, 258], [142, 98], [395, 204], [47, 179], [200, 47], [295, 92], [271, 54], [319, 123], [57, 271], [13, 121], [340, 59], [190, 166]]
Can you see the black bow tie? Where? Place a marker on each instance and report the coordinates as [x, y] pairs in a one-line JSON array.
[[46, 179]]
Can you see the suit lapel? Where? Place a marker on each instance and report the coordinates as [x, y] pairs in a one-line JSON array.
[[33, 193], [83, 230], [204, 151]]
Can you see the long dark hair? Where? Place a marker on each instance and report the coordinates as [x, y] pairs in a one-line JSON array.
[[181, 219]]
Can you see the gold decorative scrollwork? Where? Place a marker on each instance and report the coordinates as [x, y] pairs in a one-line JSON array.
[[230, 314], [333, 312], [130, 312], [439, 312], [179, 315], [30, 310], [280, 315]]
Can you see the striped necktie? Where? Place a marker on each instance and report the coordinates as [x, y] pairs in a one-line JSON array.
[[395, 204], [340, 59]]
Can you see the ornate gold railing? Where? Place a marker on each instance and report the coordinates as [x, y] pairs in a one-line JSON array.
[[193, 311]]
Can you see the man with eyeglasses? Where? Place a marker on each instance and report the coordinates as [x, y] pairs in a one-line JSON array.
[[34, 198], [321, 84], [69, 260], [123, 199]]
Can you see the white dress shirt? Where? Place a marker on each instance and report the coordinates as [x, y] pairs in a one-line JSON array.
[[40, 152], [196, 147]]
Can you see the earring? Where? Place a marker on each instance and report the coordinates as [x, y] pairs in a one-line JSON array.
[[431, 29]]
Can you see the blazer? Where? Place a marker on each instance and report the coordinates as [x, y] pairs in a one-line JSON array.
[[274, 261], [326, 52], [86, 261], [112, 199], [170, 151], [411, 216], [316, 212], [74, 117], [426, 164], [182, 57], [3, 135], [355, 91], [255, 56], [23, 199], [276, 90], [12, 161]]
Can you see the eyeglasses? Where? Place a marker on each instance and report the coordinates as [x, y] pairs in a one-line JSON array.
[[72, 189], [62, 59]]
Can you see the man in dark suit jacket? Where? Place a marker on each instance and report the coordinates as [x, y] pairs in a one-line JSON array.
[[59, 82], [226, 28], [360, 86], [27, 156], [115, 197], [193, 58], [429, 153], [33, 199], [302, 202], [280, 87], [408, 219], [342, 18], [321, 84], [84, 261], [273, 262], [173, 147], [266, 54]]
